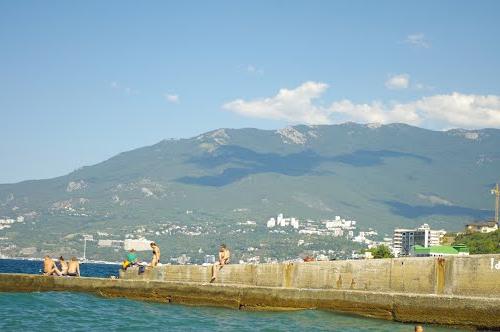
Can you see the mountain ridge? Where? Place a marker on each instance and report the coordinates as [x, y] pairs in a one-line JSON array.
[[455, 131]]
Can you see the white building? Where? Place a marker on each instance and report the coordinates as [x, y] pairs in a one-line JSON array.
[[482, 227], [281, 221], [405, 239], [360, 237], [109, 243], [371, 233], [333, 224], [183, 259], [254, 260], [340, 222], [137, 244], [322, 257], [271, 223], [337, 232]]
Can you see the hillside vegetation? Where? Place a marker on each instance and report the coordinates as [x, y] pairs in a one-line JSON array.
[[481, 243]]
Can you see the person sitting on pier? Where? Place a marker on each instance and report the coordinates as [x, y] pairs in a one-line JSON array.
[[156, 254], [131, 259], [49, 267], [74, 267], [224, 255], [64, 266]]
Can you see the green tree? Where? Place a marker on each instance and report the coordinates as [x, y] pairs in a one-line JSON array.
[[382, 251], [481, 243]]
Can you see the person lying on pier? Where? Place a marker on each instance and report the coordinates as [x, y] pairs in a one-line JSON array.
[[156, 254], [73, 267], [224, 255], [63, 266], [49, 267]]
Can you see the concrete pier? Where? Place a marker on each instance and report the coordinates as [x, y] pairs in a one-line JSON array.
[[461, 291]]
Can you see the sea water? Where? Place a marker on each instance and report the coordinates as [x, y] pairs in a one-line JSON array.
[[36, 266], [69, 311]]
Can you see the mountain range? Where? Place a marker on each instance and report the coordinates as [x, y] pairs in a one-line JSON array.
[[383, 176]]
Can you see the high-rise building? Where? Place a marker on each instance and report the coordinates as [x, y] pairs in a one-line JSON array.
[[404, 240]]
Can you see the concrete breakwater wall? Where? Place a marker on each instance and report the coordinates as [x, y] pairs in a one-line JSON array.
[[477, 275], [457, 291]]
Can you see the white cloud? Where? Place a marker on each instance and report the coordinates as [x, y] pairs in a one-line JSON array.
[[291, 105], [375, 112], [397, 82], [300, 105], [417, 40], [172, 98], [459, 110]]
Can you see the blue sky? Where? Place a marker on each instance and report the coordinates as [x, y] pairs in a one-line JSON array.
[[83, 81]]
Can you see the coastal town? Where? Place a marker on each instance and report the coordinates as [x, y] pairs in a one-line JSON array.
[[300, 234]]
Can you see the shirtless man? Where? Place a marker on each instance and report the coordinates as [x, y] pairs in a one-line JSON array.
[[73, 267], [156, 254], [224, 255], [64, 266], [49, 267]]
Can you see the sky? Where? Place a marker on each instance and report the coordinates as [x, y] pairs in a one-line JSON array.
[[81, 81]]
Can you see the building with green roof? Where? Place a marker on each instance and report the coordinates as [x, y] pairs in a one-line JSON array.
[[459, 249]]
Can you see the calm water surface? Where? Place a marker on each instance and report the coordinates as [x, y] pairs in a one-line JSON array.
[[65, 311], [35, 267], [59, 311]]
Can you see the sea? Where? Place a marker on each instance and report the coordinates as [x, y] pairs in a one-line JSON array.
[[71, 311]]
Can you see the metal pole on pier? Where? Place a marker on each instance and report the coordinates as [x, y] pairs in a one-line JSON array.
[[84, 248], [85, 239], [496, 191]]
